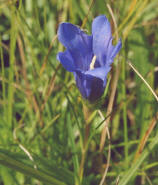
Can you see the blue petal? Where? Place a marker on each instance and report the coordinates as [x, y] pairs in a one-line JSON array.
[[112, 51], [66, 60], [78, 43], [100, 72], [116, 49], [101, 31], [80, 82], [92, 83]]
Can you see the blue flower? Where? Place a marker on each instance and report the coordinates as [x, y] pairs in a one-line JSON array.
[[89, 57]]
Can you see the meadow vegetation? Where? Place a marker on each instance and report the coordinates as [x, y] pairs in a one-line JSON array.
[[48, 133]]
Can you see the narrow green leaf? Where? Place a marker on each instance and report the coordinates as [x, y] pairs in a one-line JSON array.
[[130, 173], [27, 170]]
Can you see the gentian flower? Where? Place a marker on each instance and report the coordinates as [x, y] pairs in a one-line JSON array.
[[89, 57]]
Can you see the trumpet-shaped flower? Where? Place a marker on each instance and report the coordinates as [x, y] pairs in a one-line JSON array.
[[89, 57]]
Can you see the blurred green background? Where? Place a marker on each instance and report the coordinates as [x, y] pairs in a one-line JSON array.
[[47, 136]]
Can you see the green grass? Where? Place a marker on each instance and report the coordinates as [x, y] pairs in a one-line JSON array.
[[48, 135]]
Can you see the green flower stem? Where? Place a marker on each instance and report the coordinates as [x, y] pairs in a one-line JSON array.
[[87, 112]]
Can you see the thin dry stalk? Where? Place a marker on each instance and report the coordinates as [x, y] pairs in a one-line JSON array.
[[145, 137], [50, 88], [4, 46], [117, 180], [46, 57], [112, 96], [146, 83], [114, 21], [86, 17], [147, 23], [29, 93], [22, 147], [16, 85]]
